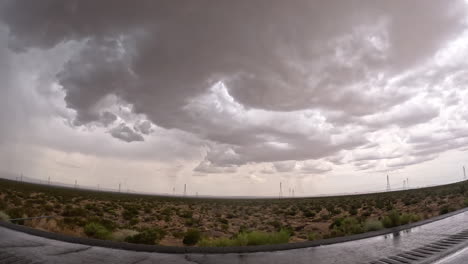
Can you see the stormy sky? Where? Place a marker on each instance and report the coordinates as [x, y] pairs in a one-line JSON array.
[[233, 97]]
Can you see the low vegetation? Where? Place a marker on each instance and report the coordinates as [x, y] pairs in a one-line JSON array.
[[220, 222], [253, 238]]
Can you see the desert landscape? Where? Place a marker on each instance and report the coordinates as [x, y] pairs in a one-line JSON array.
[[178, 221]]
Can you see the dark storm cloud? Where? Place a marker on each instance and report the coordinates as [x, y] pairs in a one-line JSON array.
[[160, 56], [107, 118]]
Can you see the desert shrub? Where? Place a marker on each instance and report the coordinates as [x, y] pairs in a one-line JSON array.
[[313, 236], [366, 213], [147, 210], [178, 234], [122, 234], [3, 205], [4, 216], [96, 230], [149, 236], [16, 212], [130, 213], [74, 211], [336, 223], [445, 209], [353, 211], [275, 224], [392, 219], [335, 211], [379, 204], [189, 222], [309, 213], [186, 214], [372, 225], [409, 218], [349, 226], [291, 212], [167, 211], [48, 208], [74, 221], [325, 217], [249, 239], [223, 221], [133, 221], [191, 237], [230, 216]]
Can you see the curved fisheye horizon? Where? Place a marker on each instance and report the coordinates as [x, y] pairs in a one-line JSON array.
[[234, 98]]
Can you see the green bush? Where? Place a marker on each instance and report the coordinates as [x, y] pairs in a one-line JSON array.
[[372, 225], [392, 219], [96, 230], [149, 236], [191, 237], [249, 239]]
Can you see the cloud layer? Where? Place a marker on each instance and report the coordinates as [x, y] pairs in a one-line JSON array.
[[301, 86]]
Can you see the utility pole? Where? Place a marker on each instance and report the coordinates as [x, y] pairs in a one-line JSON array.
[[173, 190], [48, 180], [185, 189], [119, 186], [464, 173], [407, 183], [404, 184], [76, 184], [293, 193], [388, 184], [281, 191]]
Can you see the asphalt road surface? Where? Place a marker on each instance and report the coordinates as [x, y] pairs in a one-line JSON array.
[[18, 247], [460, 257]]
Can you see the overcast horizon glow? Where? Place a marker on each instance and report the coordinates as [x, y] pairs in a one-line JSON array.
[[233, 97]]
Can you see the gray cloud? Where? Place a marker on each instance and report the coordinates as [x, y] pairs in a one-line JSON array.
[[125, 133], [207, 167], [107, 118], [303, 80], [285, 166], [315, 167], [410, 160], [145, 127]]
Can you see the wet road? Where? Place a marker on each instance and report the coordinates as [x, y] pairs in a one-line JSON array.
[[460, 257], [14, 244]]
